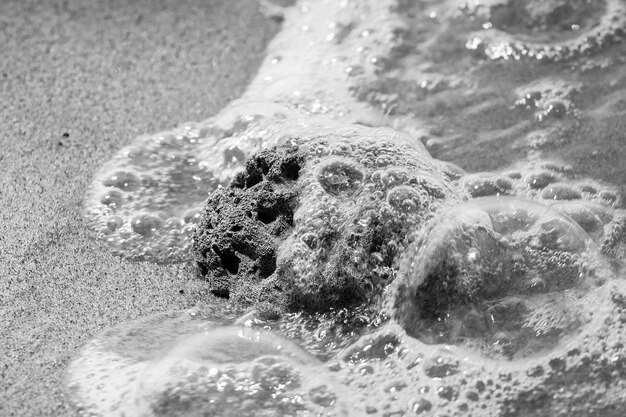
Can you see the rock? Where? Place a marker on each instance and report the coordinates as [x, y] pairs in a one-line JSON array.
[[241, 226], [317, 221]]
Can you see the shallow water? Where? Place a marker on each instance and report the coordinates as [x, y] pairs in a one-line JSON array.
[[507, 294]]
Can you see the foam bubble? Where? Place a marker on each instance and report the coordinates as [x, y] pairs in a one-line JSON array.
[[340, 178], [485, 184], [560, 192], [540, 180]]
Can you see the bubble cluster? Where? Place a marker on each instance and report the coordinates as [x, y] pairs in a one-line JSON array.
[[488, 83], [138, 198], [199, 365], [545, 29], [146, 200], [487, 184], [359, 209], [549, 182], [497, 274], [548, 98]]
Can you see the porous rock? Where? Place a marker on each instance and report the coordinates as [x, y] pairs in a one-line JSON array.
[[317, 221], [242, 224]]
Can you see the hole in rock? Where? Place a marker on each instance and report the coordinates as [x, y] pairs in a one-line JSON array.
[[230, 261], [221, 293], [267, 265], [266, 215], [290, 169]]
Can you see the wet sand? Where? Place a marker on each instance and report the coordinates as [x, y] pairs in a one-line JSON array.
[[79, 80]]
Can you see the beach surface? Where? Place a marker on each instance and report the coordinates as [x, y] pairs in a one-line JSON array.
[[78, 81]]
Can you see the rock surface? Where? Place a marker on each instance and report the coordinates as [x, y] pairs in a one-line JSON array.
[[242, 225]]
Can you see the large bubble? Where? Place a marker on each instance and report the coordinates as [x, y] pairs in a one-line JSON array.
[[197, 365], [499, 274]]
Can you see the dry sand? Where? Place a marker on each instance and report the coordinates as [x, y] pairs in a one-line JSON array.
[[78, 80]]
